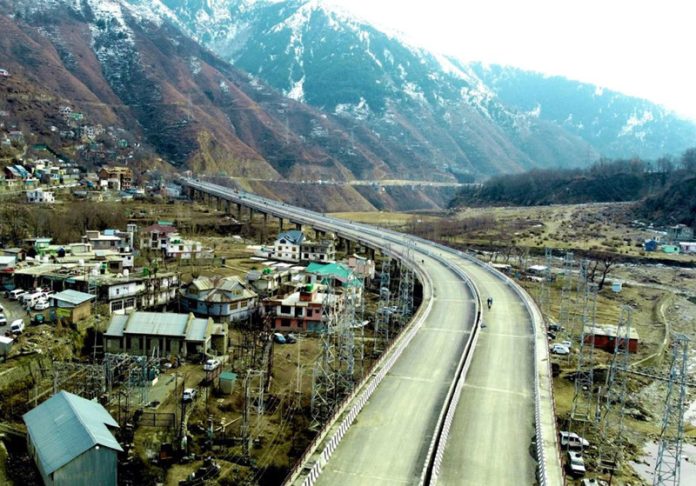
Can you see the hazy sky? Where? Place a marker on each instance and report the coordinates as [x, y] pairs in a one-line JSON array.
[[640, 47]]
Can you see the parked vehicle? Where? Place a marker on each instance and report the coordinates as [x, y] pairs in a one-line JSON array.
[[41, 304], [573, 440], [567, 344], [559, 349], [3, 320], [279, 338], [17, 326], [15, 294], [576, 464], [189, 395], [30, 299], [290, 338], [211, 364], [555, 327]]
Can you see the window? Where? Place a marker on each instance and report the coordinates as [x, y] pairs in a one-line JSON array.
[[285, 309], [285, 322]]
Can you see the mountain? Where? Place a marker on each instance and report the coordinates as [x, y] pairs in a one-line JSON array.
[[131, 74], [438, 115], [615, 125]]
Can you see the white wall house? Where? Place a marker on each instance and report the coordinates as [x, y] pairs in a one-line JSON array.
[[287, 246], [39, 196]]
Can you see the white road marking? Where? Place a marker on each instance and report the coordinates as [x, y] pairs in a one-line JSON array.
[[498, 390]]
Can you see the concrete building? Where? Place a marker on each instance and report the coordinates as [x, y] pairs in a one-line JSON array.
[[361, 266], [72, 305], [605, 335], [268, 281], [181, 249], [71, 441], [118, 178], [225, 299], [166, 334], [300, 310], [109, 239], [156, 236], [39, 196], [287, 246], [687, 246], [322, 251], [122, 293]]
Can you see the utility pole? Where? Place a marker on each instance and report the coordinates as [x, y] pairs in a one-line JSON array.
[[669, 454]]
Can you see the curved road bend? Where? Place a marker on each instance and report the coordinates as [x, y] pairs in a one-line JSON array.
[[493, 427], [389, 440]]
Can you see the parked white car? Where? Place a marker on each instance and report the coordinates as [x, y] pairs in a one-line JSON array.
[[41, 305], [3, 320], [189, 394], [211, 364], [576, 464], [573, 440], [17, 326], [567, 344], [559, 349]]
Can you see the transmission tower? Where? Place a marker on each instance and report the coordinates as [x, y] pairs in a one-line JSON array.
[[254, 384], [584, 409], [612, 429], [668, 465], [323, 375], [545, 290], [404, 306], [566, 303], [345, 336], [381, 315]]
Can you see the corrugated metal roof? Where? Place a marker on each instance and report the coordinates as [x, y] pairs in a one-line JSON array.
[[155, 323], [198, 330], [73, 297], [117, 325], [293, 236], [65, 426]]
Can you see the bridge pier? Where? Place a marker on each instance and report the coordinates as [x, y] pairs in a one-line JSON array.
[[280, 223], [239, 212], [298, 226]]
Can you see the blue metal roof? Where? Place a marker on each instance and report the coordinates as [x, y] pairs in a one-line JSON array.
[[295, 237], [73, 297], [65, 426]]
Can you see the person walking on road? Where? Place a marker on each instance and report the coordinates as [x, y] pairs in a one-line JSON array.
[[490, 302]]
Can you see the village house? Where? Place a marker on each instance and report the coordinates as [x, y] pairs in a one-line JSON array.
[[164, 334], [287, 246], [71, 440], [72, 305], [687, 246], [156, 236], [268, 281], [181, 249], [605, 336], [117, 177], [39, 196], [301, 310], [226, 299], [361, 266], [320, 251]]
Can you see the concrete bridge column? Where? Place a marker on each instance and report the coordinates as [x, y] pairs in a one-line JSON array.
[[280, 223], [298, 226], [264, 228], [239, 211]]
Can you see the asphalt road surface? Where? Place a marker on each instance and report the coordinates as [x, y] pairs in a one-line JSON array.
[[491, 435]]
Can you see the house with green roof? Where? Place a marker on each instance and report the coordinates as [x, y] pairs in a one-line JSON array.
[[70, 438]]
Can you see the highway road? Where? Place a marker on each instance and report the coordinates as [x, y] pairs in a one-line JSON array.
[[490, 441], [389, 441], [492, 431]]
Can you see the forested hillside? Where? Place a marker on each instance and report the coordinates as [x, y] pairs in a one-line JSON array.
[[666, 187]]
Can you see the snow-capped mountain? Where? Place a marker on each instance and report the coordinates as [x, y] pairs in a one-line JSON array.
[[617, 125], [438, 114]]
